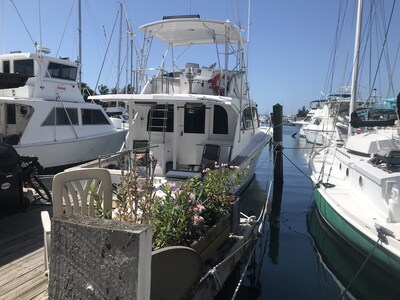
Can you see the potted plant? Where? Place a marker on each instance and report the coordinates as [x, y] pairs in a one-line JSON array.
[[181, 213]]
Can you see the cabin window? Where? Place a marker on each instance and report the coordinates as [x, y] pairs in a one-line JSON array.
[[195, 118], [250, 117], [161, 118], [94, 117], [6, 66], [24, 66], [11, 119], [220, 121], [61, 116], [61, 71]]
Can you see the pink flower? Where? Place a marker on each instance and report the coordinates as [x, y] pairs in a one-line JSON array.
[[197, 219], [231, 198], [176, 193], [235, 167], [192, 196], [206, 170], [198, 208]]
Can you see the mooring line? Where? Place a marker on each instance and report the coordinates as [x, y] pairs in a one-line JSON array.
[[301, 171], [380, 236]]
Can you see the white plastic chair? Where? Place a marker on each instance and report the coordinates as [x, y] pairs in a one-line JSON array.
[[74, 193]]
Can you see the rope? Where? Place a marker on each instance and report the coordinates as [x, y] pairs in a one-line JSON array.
[[250, 219], [243, 273], [380, 236], [301, 171], [214, 269]]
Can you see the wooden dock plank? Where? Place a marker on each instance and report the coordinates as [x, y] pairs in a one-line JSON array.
[[22, 273]]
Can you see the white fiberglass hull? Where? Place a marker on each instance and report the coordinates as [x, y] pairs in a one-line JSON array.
[[61, 153]]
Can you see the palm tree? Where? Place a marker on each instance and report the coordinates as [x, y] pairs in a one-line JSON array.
[[86, 91], [103, 89]]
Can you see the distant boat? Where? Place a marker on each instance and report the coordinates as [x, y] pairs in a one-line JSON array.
[[43, 114], [184, 116], [321, 126], [302, 123]]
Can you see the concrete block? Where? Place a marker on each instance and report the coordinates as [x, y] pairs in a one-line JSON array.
[[93, 258]]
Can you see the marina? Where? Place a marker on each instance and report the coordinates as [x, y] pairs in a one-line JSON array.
[[183, 184], [301, 257]]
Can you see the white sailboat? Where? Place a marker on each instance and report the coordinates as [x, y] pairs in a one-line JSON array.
[[357, 186]]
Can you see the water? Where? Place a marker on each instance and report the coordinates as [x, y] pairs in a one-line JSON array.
[[301, 258]]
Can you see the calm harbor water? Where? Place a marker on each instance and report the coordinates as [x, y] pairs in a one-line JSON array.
[[302, 258]]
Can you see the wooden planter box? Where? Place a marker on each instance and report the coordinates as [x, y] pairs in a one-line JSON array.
[[215, 237]]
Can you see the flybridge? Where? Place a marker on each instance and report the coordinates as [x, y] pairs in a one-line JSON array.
[[181, 17]]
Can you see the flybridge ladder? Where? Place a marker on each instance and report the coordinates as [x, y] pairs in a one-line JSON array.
[[158, 119]]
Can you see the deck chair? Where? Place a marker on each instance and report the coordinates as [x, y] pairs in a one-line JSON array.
[[209, 157], [141, 149], [74, 193]]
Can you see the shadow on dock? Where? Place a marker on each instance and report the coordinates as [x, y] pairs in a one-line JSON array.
[[21, 233]]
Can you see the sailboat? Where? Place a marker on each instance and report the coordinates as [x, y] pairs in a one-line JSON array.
[[191, 114], [357, 185]]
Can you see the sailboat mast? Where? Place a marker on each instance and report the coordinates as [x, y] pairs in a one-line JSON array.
[[119, 45], [354, 79], [80, 43]]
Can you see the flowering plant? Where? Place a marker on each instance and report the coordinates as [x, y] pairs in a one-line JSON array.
[[179, 214], [217, 191], [176, 216]]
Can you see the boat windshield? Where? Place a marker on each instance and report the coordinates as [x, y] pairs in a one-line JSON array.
[[61, 71]]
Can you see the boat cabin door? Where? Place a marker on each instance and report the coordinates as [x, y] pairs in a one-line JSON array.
[[192, 131]]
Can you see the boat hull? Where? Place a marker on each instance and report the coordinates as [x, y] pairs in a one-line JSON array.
[[62, 153], [360, 241]]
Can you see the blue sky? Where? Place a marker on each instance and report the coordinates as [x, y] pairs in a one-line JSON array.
[[291, 41]]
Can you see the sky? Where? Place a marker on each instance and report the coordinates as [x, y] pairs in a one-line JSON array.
[[290, 50]]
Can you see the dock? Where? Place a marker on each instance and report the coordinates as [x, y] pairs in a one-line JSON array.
[[22, 273]]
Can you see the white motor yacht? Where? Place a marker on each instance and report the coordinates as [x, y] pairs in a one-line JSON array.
[[187, 113], [47, 117]]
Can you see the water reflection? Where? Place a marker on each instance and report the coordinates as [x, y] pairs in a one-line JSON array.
[[344, 262]]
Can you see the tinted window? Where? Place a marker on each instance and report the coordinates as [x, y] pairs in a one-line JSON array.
[[61, 71], [195, 119], [94, 117], [61, 116], [6, 66], [24, 66], [11, 114], [160, 117], [220, 121]]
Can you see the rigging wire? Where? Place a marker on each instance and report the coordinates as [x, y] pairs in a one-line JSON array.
[[65, 28], [383, 47], [108, 47], [23, 23]]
